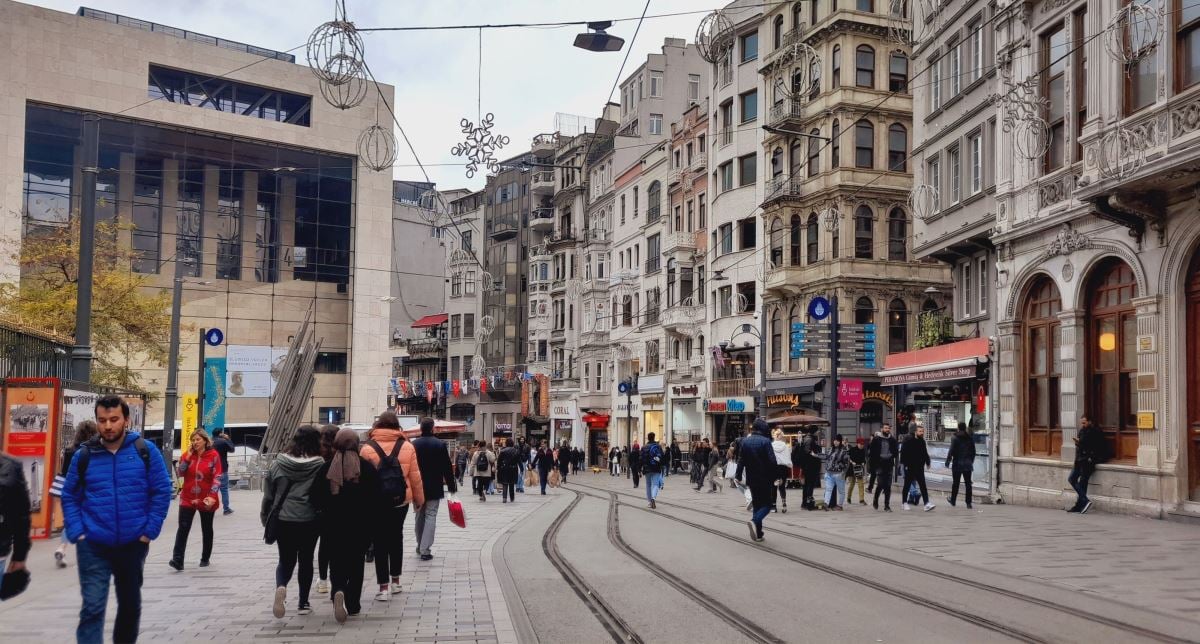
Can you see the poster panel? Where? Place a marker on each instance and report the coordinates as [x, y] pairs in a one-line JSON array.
[[30, 431], [252, 370], [214, 393]]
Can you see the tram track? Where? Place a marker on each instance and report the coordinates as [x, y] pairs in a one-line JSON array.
[[617, 628], [959, 613]]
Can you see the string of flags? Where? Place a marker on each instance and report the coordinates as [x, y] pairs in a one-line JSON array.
[[430, 389]]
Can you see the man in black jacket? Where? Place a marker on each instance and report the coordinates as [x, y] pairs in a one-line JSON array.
[[961, 461], [14, 516], [1090, 450], [433, 459], [224, 447], [881, 458], [757, 461], [915, 457]]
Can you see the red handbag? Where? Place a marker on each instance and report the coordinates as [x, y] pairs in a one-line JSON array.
[[457, 517]]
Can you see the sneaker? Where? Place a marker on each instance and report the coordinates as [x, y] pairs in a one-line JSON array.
[[396, 590], [952, 503], [277, 607], [382, 596], [929, 506], [60, 559], [227, 512], [322, 587], [176, 564], [204, 563], [753, 531], [862, 502], [968, 506], [887, 508], [426, 557], [1073, 509], [906, 506], [1086, 506], [304, 609], [653, 505], [339, 607], [749, 505], [759, 537], [876, 504]]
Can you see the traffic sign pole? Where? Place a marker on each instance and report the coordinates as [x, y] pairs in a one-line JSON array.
[[200, 378], [833, 364]]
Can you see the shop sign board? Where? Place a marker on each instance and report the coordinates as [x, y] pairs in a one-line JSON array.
[[738, 405], [850, 394], [563, 409], [882, 396], [684, 390], [651, 400], [932, 375], [1145, 420], [780, 400]]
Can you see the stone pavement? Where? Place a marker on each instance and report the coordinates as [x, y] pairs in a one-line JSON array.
[[1146, 563], [456, 597]]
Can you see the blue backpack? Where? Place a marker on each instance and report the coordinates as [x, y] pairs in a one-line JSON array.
[[654, 456]]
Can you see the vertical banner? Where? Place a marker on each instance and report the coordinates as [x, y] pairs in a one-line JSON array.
[[30, 430], [850, 394], [214, 394], [190, 416]]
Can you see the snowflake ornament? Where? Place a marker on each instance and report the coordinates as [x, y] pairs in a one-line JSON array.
[[480, 145]]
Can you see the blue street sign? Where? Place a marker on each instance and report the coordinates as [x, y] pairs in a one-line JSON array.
[[214, 337], [797, 326], [818, 308]]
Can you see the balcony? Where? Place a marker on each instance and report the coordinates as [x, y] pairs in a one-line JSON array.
[[558, 286], [674, 365], [558, 335], [503, 227], [725, 137], [426, 348], [696, 362], [732, 387], [674, 175], [677, 318], [653, 265], [782, 187], [545, 143], [596, 236], [561, 239], [682, 242], [542, 182], [787, 110], [725, 74], [653, 213], [541, 219], [791, 37], [697, 165]]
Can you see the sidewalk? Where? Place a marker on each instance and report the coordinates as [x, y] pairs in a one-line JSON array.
[[455, 597]]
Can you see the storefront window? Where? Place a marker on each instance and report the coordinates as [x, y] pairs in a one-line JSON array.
[[1042, 427], [1112, 355]]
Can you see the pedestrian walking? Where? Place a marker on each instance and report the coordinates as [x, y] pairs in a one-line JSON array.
[[286, 500], [1091, 449], [857, 472], [717, 472], [579, 460], [433, 459], [653, 463], [881, 458], [14, 518], [115, 500], [200, 472], [543, 461], [324, 554], [886, 428], [461, 458], [525, 453], [635, 463], [837, 461], [676, 457], [224, 447], [961, 460], [806, 455], [712, 466], [564, 461], [485, 469], [400, 484], [508, 469], [756, 460], [614, 461], [346, 492], [625, 461], [84, 432], [783, 469], [915, 457]]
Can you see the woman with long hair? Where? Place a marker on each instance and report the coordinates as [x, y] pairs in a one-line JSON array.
[[784, 468], [508, 468], [200, 472], [328, 433], [289, 483], [346, 492], [84, 432]]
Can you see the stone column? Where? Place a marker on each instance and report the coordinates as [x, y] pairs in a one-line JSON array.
[[1072, 355], [1151, 441], [1008, 338]]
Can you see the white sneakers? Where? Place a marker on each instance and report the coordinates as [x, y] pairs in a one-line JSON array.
[[382, 596], [339, 607], [929, 506], [277, 607], [322, 587], [906, 506]]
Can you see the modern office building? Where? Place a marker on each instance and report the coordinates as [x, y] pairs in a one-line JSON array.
[[221, 155], [464, 303]]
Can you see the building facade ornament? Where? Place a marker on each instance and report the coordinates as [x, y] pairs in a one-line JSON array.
[[1067, 241]]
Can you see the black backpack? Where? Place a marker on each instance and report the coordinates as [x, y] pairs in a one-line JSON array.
[[392, 484], [481, 461]]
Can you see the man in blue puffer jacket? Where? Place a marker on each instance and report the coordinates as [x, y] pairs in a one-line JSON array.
[[112, 512]]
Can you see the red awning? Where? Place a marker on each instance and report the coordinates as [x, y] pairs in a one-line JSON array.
[[431, 320], [596, 420], [952, 361]]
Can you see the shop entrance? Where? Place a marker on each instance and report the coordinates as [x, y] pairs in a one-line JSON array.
[[1193, 379], [597, 447], [870, 419]]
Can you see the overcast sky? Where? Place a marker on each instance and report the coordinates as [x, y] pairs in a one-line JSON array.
[[529, 74]]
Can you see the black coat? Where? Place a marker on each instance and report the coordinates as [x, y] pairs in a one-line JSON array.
[[635, 460], [961, 457], [349, 516], [757, 461], [1092, 449], [14, 509], [433, 459], [508, 466], [873, 451], [914, 454], [543, 460]]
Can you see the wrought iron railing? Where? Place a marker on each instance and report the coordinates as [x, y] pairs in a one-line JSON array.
[[24, 354]]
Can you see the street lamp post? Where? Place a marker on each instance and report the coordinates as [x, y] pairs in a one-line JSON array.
[[81, 353], [172, 392]]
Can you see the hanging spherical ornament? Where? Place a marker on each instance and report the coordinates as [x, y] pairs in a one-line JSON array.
[[831, 218], [377, 148], [923, 201], [487, 284], [331, 49], [1134, 32], [795, 71], [1121, 154], [350, 93], [1031, 137], [909, 30], [714, 36], [651, 349], [459, 261], [432, 207], [478, 367], [738, 303], [487, 323]]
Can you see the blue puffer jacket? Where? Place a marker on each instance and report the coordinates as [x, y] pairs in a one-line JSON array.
[[122, 500]]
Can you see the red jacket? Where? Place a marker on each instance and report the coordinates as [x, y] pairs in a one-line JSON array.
[[201, 479]]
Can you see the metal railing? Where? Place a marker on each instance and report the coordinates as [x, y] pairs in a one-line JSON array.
[[725, 137], [696, 361], [725, 73], [653, 265], [27, 354], [543, 176], [681, 240], [733, 387], [653, 213], [789, 108], [782, 186]]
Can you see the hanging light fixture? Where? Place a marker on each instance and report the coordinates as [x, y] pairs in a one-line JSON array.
[[597, 40]]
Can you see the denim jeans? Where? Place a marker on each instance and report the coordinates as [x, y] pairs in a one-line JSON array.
[[654, 483], [835, 489], [759, 515], [1078, 479], [521, 478], [97, 564], [225, 491]]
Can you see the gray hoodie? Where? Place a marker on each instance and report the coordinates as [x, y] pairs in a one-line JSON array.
[[301, 471]]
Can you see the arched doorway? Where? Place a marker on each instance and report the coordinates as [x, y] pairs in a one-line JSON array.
[[1112, 356], [1193, 377]]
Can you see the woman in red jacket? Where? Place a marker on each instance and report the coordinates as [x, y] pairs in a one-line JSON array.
[[200, 471]]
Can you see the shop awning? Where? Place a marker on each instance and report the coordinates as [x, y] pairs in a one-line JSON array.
[[953, 361], [793, 386], [436, 319], [440, 428], [596, 420]]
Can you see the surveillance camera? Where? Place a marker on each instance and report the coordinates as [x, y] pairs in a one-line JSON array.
[[756, 314], [724, 344]]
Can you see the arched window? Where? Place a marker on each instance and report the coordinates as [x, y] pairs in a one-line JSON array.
[[776, 242], [864, 235], [897, 327], [1112, 356], [671, 283], [864, 311], [778, 32], [653, 197], [776, 342], [814, 152], [814, 82], [864, 144], [797, 15], [812, 15], [897, 236], [864, 66], [835, 145], [835, 67], [776, 162], [897, 148], [797, 157], [700, 344], [793, 318], [1042, 433], [675, 349], [797, 231], [814, 232]]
